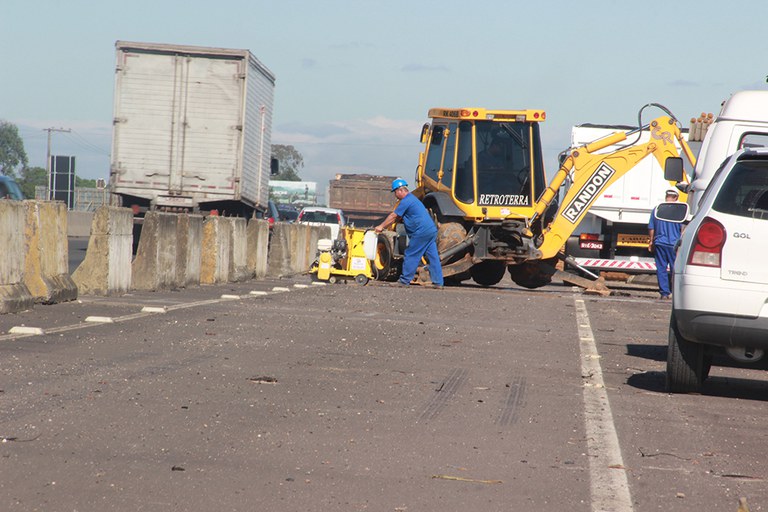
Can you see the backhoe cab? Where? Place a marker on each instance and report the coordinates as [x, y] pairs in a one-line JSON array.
[[482, 178], [479, 175]]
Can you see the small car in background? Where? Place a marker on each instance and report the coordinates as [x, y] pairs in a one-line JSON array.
[[9, 189], [288, 213], [321, 216], [720, 283]]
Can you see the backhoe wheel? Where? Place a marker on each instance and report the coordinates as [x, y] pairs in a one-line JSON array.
[[488, 273], [450, 234], [687, 364], [532, 274], [385, 266]]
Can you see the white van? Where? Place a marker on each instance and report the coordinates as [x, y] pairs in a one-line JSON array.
[[741, 123]]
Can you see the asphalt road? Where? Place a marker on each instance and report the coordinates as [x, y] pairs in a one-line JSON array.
[[359, 398]]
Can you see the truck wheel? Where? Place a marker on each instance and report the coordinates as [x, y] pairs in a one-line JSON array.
[[533, 274], [687, 365], [488, 273]]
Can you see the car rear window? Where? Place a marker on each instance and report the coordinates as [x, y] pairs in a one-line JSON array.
[[745, 190], [326, 218]]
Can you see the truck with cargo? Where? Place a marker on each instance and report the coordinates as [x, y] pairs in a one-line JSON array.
[[613, 236], [191, 130], [365, 199]]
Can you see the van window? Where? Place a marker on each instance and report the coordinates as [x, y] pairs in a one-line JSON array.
[[745, 190], [753, 140]]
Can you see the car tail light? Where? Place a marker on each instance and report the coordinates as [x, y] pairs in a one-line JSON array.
[[708, 244], [338, 218], [271, 221]]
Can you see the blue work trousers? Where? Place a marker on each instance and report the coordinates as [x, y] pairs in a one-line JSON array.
[[664, 256], [419, 246]]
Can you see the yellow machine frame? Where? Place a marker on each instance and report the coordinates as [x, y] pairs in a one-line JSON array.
[[354, 265]]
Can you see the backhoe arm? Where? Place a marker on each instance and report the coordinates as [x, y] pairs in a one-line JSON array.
[[594, 173]]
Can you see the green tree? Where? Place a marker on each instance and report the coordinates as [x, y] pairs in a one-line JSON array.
[[84, 183], [12, 152], [290, 160], [32, 177]]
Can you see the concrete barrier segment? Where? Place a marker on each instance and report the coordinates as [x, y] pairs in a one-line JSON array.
[[190, 239], [215, 251], [257, 234], [238, 250], [106, 269], [154, 267], [46, 264], [14, 294], [279, 256]]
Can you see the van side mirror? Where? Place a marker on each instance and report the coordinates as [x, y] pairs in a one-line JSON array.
[[672, 212], [274, 167], [673, 169]]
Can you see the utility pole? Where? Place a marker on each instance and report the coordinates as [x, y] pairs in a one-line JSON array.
[[48, 159]]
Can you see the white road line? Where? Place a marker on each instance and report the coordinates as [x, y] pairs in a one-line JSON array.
[[608, 478]]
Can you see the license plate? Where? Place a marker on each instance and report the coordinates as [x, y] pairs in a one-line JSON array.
[[591, 244], [174, 201]]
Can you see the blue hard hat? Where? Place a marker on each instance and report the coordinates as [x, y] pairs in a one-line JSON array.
[[399, 182]]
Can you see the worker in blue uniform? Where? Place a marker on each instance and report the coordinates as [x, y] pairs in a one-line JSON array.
[[664, 236], [421, 231]]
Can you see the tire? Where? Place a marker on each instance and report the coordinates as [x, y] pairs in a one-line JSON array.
[[532, 274], [488, 273], [687, 364], [385, 266], [361, 279]]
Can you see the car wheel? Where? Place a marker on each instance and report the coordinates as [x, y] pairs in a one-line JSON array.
[[687, 365]]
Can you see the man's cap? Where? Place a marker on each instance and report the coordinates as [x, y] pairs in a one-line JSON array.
[[673, 192]]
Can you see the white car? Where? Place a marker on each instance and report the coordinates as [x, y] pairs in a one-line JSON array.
[[319, 216], [720, 284]]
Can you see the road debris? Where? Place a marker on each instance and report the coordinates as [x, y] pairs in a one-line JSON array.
[[462, 479]]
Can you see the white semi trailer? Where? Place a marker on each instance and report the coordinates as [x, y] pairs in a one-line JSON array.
[[192, 129]]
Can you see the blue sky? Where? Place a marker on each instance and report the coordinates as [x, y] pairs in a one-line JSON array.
[[355, 78]]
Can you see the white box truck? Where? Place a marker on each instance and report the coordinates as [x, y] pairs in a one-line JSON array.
[[614, 233], [192, 129]]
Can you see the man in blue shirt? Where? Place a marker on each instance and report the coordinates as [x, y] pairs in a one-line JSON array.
[[664, 235], [422, 234]]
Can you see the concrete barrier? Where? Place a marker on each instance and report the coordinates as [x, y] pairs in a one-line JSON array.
[[215, 251], [189, 231], [106, 269], [238, 250], [257, 233], [154, 266], [46, 263], [14, 294], [291, 251]]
